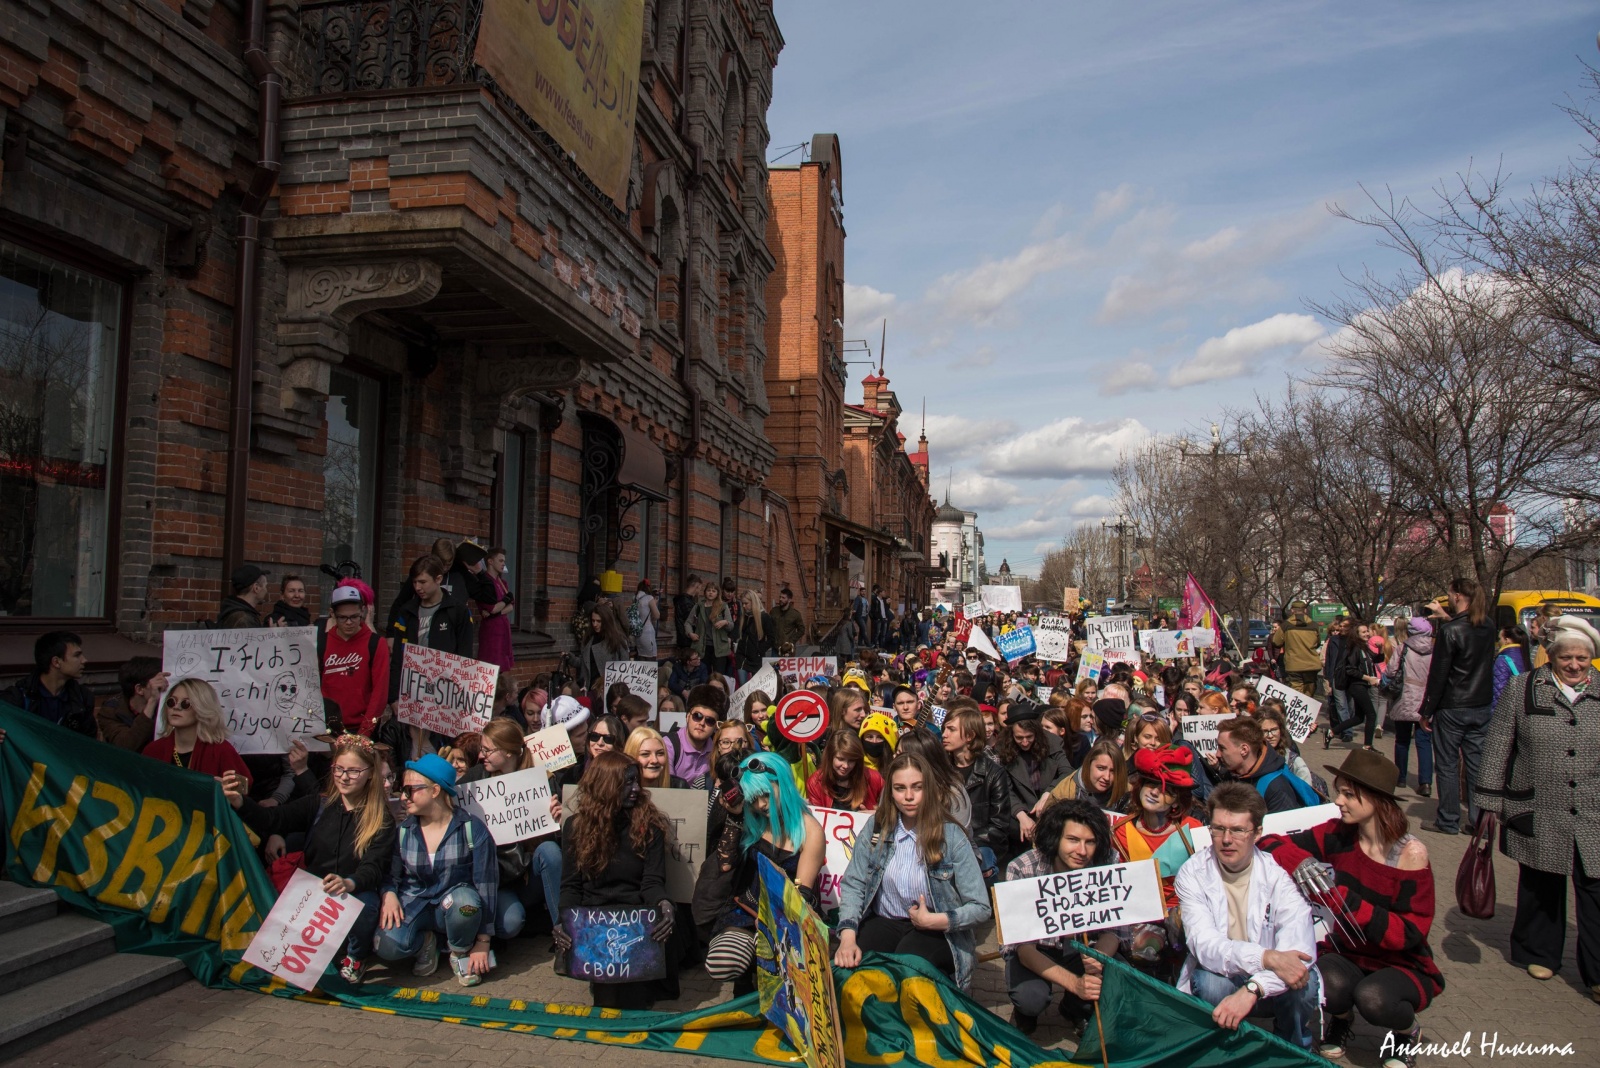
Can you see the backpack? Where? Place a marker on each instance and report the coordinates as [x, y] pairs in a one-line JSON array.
[[636, 619], [1304, 790], [1393, 684]]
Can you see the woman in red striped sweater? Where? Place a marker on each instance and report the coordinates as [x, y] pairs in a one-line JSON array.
[[1375, 959]]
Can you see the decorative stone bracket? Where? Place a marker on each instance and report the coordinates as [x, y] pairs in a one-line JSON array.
[[492, 382]]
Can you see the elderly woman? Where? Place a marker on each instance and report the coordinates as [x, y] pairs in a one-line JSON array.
[[1538, 775]]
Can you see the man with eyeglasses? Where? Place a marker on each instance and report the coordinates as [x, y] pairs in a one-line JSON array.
[[692, 745], [355, 662], [1249, 930]]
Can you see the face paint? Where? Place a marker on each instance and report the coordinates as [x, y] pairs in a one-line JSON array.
[[630, 786]]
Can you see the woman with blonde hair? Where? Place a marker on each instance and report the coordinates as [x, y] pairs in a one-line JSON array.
[[755, 635], [349, 835], [648, 749], [196, 735]]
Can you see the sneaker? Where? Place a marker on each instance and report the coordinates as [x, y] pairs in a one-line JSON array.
[[1406, 1043], [1380, 732], [460, 963], [1334, 1041], [427, 961], [1540, 972], [1023, 1022], [350, 970], [1594, 992]]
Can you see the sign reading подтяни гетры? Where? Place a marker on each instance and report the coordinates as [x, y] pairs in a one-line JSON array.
[[445, 693], [266, 679], [1075, 902]]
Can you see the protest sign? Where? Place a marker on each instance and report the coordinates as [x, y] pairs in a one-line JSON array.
[[445, 693], [1200, 733], [1073, 902], [304, 932], [266, 679], [1168, 644], [839, 830], [794, 971], [1017, 643], [1069, 599], [974, 609], [1298, 819], [686, 832], [1053, 637], [796, 671], [1121, 656], [515, 806], [937, 715], [1089, 666], [764, 681], [1147, 639], [641, 677], [961, 627], [1201, 637], [1001, 598], [1110, 632], [1299, 711], [614, 945], [979, 641], [552, 748]]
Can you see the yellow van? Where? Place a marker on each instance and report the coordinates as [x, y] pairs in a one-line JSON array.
[[1518, 607]]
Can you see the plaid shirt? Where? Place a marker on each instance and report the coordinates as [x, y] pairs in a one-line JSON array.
[[1030, 865], [466, 855]]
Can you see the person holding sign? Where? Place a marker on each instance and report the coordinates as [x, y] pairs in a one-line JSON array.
[[1070, 836], [614, 855], [428, 618], [501, 751], [1249, 931], [913, 885], [349, 835], [443, 879], [196, 735]]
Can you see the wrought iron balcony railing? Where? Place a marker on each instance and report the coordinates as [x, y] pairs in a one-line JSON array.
[[389, 44]]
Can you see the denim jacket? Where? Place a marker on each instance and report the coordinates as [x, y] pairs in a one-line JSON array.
[[956, 884]]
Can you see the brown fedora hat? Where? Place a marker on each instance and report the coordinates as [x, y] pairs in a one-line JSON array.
[[1371, 769]]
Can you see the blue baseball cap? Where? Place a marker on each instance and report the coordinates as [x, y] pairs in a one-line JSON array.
[[437, 769]]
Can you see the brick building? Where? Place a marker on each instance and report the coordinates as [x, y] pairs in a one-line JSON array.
[[850, 484], [296, 283]]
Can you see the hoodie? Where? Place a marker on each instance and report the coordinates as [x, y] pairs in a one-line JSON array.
[[886, 726]]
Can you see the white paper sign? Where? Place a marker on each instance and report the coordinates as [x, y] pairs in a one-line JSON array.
[[516, 805], [1298, 819], [1001, 598], [980, 642], [1200, 733], [764, 681], [445, 693], [1053, 635], [1300, 712], [552, 748], [839, 830], [266, 679], [1110, 632], [686, 833], [796, 671], [1168, 644], [1074, 902], [1122, 656], [1090, 665], [642, 677], [304, 932], [973, 609]]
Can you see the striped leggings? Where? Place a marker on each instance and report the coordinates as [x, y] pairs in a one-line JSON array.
[[731, 953]]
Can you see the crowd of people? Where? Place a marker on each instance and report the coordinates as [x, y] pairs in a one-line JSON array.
[[973, 771]]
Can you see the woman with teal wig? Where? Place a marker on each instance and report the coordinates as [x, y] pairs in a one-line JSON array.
[[766, 816]]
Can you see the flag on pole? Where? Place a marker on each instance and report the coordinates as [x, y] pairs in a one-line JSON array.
[[1198, 613]]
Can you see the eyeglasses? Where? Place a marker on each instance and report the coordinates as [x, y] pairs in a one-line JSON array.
[[181, 703], [486, 751], [703, 717], [1240, 704], [346, 617], [1225, 834], [408, 790], [348, 773]]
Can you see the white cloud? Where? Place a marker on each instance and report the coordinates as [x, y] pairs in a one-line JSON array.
[[1122, 377], [1111, 203], [979, 294], [863, 305], [1065, 448], [955, 437], [978, 492], [1236, 352], [1027, 528], [1094, 506]]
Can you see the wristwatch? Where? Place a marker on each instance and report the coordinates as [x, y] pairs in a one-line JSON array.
[[1254, 988]]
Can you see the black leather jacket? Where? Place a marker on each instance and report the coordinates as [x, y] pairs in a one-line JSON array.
[[1462, 672], [989, 790]]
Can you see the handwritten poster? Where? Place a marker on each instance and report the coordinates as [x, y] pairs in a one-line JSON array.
[[1300, 711], [304, 932], [1200, 733], [796, 671], [1110, 632], [1001, 598], [1053, 636], [839, 830], [515, 806], [764, 681], [686, 833], [614, 945], [552, 748], [1016, 643], [1090, 666], [266, 680], [1076, 902], [641, 677], [445, 693]]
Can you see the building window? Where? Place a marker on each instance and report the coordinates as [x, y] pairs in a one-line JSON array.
[[350, 470], [508, 497], [60, 343]]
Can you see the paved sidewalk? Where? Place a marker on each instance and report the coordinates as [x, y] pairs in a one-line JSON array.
[[1485, 996]]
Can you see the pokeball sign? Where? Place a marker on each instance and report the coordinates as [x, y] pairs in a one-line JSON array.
[[802, 716]]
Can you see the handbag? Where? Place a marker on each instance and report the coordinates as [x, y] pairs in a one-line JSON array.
[[1475, 878]]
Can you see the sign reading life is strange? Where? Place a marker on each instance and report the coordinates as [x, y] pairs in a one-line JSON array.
[[1067, 903], [445, 693], [1299, 711], [266, 680], [515, 806], [614, 945], [1016, 643], [304, 931], [839, 830], [1110, 632]]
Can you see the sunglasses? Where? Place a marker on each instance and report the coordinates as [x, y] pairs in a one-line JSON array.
[[701, 717], [182, 703], [601, 739], [407, 791]]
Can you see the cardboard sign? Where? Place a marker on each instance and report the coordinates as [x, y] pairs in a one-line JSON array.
[[1069, 599], [1077, 902], [839, 830], [516, 805], [1001, 598], [796, 671], [1200, 733], [305, 931], [937, 715], [445, 693], [802, 716], [552, 748], [1201, 637], [1298, 819], [641, 677], [1110, 632], [1090, 666], [1299, 711], [1017, 643], [265, 678], [764, 681], [614, 945], [794, 971], [686, 832], [974, 609]]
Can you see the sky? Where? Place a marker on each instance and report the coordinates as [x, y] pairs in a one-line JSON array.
[[1089, 224]]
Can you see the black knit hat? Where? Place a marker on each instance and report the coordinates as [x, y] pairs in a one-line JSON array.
[[1023, 710]]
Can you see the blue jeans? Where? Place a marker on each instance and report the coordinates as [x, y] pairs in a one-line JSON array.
[[1458, 735], [1339, 718], [459, 923], [1404, 734], [1294, 1011], [510, 914], [987, 861], [359, 944], [545, 865]]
